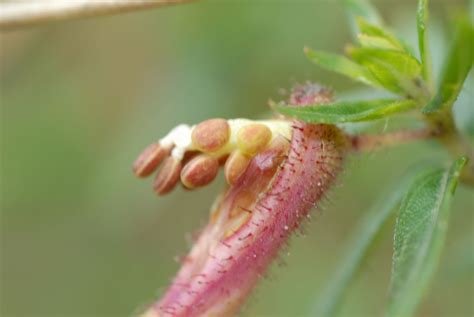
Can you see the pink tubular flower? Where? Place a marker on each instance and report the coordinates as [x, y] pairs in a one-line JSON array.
[[273, 192]]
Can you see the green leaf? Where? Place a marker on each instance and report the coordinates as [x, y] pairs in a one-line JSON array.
[[361, 8], [422, 22], [375, 42], [342, 65], [370, 29], [420, 231], [455, 69], [361, 242], [396, 71], [346, 111]]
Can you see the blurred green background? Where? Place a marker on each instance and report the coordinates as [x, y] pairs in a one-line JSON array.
[[80, 236]]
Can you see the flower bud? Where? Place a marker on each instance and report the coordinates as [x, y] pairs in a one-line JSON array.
[[272, 193], [199, 171], [168, 176], [235, 166], [149, 159], [253, 138], [211, 135]]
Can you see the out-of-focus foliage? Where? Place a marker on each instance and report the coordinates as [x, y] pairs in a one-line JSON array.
[[81, 236], [456, 67], [364, 237]]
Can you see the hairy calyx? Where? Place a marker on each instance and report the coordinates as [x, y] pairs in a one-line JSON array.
[[277, 172]]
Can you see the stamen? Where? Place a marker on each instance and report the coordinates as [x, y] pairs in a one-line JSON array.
[[149, 159], [235, 166], [253, 138], [211, 135], [200, 171], [168, 176], [224, 142]]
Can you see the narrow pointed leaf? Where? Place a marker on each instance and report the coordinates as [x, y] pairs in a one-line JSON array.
[[422, 22], [397, 71], [371, 41], [361, 8], [344, 111], [341, 65], [456, 67], [370, 29], [361, 242], [420, 231]]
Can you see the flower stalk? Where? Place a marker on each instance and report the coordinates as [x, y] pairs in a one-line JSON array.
[[371, 142]]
